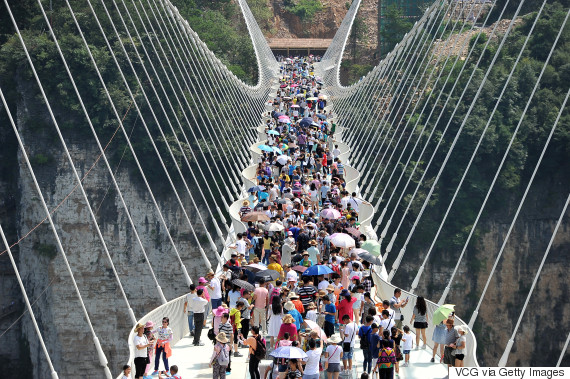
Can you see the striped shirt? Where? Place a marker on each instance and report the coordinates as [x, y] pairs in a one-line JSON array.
[[227, 329], [306, 294], [340, 168]]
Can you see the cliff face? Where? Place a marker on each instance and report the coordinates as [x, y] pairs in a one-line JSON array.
[[42, 267]]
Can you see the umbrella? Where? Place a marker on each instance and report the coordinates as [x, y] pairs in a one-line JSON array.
[[265, 148], [353, 232], [275, 227], [287, 98], [330, 213], [294, 106], [284, 119], [366, 256], [274, 132], [277, 150], [278, 114], [323, 97], [267, 275], [306, 121], [296, 258], [283, 85], [255, 216], [294, 85], [243, 284], [312, 98], [300, 268], [342, 240], [372, 246], [316, 328], [256, 188], [442, 313], [318, 270], [282, 159], [321, 116], [255, 267], [283, 201], [289, 352], [358, 251]]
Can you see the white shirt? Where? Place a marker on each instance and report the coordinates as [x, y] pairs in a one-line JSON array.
[[233, 297], [334, 353], [216, 293], [189, 298], [335, 153], [354, 203], [407, 339], [350, 332], [240, 247], [142, 353], [387, 324], [198, 304], [313, 358], [323, 284], [312, 315]]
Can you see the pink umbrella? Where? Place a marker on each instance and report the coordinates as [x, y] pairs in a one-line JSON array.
[[284, 119], [330, 213], [316, 328], [342, 240], [294, 85]]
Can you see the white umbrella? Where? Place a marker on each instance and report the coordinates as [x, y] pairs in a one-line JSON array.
[[342, 240], [289, 352], [282, 159], [275, 227]]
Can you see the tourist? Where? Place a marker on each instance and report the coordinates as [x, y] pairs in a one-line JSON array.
[[374, 344], [235, 318], [345, 305], [293, 312], [214, 289], [451, 335], [397, 305], [164, 336], [386, 360], [254, 342], [198, 305], [294, 369], [460, 345], [172, 374], [364, 334], [438, 339], [148, 328], [333, 356], [126, 372], [348, 334], [420, 321], [288, 326], [313, 359], [245, 312], [202, 285], [188, 308], [260, 300], [275, 319], [220, 356], [141, 356], [407, 346]]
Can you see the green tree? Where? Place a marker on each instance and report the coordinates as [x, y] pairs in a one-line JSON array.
[[393, 28]]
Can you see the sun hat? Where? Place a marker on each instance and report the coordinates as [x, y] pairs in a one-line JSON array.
[[330, 287], [355, 277], [305, 253], [312, 242], [202, 280], [149, 324], [334, 339], [288, 319], [221, 337], [138, 326], [245, 202], [322, 293], [293, 295], [462, 328], [220, 311], [344, 292], [289, 306]]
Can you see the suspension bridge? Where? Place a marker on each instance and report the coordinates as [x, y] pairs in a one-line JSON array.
[[202, 126]]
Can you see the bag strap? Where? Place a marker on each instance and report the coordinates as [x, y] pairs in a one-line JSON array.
[[330, 356]]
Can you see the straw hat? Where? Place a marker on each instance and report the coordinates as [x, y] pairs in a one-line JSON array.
[[288, 319], [330, 287], [334, 339], [221, 337], [245, 202], [312, 242], [289, 306], [138, 326], [322, 293]]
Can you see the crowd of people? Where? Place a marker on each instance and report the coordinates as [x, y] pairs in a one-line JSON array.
[[300, 276]]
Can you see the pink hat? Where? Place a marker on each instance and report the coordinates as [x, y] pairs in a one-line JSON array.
[[220, 311], [289, 233], [202, 280], [149, 324], [355, 277]]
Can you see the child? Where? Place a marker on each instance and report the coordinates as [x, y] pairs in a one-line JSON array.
[[407, 346], [330, 313], [173, 373], [126, 372], [364, 334], [311, 312], [295, 369], [374, 345]]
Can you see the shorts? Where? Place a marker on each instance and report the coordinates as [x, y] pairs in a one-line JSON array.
[[460, 357], [357, 304], [448, 359], [333, 367], [348, 354], [407, 351], [420, 325], [315, 376]]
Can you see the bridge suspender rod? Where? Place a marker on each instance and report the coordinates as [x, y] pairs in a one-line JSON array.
[[53, 373], [100, 353], [505, 356], [135, 157], [143, 92], [102, 153], [219, 232], [499, 168], [394, 190], [476, 312], [403, 249], [563, 352]]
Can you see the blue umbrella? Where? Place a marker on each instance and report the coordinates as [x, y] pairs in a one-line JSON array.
[[306, 121], [265, 148], [321, 116], [275, 132], [289, 352], [256, 188], [318, 270]]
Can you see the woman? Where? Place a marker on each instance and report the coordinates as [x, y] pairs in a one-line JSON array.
[[293, 312], [288, 326], [165, 335], [294, 369], [314, 195], [313, 359], [333, 356], [220, 348], [141, 355], [420, 320], [438, 339], [149, 326], [345, 306], [274, 318], [253, 342], [460, 345]]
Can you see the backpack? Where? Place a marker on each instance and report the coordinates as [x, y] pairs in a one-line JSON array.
[[364, 343], [260, 350], [258, 249], [275, 292], [223, 357], [387, 357], [211, 335]]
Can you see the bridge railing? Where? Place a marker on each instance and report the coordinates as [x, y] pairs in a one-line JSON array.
[[248, 175], [351, 178], [239, 226], [385, 291]]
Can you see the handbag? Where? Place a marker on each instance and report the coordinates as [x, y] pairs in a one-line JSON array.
[[346, 345]]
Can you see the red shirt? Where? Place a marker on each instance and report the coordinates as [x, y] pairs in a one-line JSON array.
[[288, 328], [345, 308]]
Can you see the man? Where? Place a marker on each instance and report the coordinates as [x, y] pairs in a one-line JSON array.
[[245, 209], [387, 322], [451, 335], [354, 202], [291, 275], [323, 283], [245, 312], [303, 240], [335, 152], [325, 245], [240, 244], [198, 307], [324, 190], [313, 251], [348, 336], [188, 308], [397, 304], [260, 299], [236, 321], [306, 292], [214, 289]]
